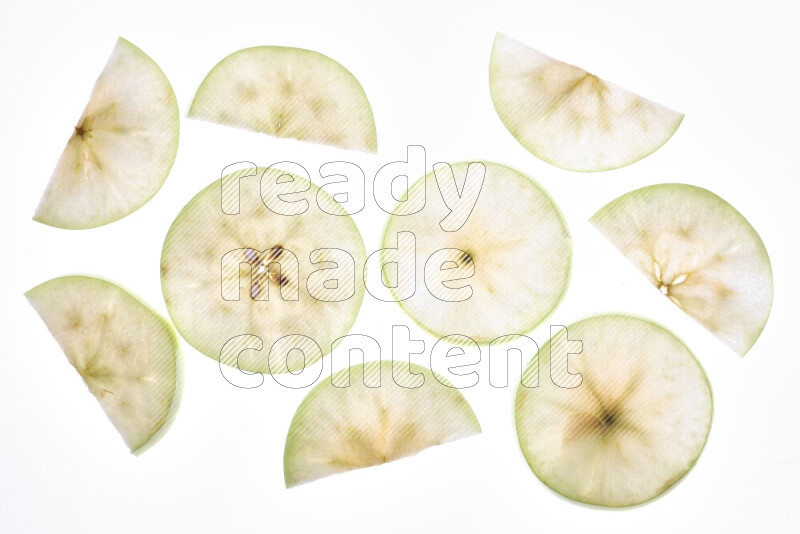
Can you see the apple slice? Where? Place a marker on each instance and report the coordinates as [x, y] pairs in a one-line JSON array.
[[513, 251], [122, 148], [569, 117], [699, 252], [634, 425], [376, 417], [128, 356], [291, 286], [288, 92]]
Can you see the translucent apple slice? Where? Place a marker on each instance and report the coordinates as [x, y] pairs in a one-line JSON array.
[[128, 356], [300, 273], [513, 251], [631, 429], [288, 92], [569, 117], [122, 148], [375, 416], [699, 252]]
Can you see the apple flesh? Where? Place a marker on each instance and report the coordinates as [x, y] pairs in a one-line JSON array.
[[569, 117], [288, 92], [511, 257], [122, 149], [128, 356], [364, 417], [700, 253], [634, 425], [263, 273]]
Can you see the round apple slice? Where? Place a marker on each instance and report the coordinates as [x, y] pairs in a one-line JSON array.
[[299, 271], [371, 414], [569, 117], [288, 92], [128, 356], [699, 252], [122, 148], [634, 425], [505, 268]]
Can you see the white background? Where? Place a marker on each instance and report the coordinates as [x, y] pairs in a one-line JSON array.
[[731, 67]]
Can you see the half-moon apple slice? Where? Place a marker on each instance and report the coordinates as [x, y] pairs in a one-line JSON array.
[[633, 426], [288, 92], [699, 252], [375, 417], [122, 148], [569, 117], [288, 274], [505, 268], [128, 356]]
